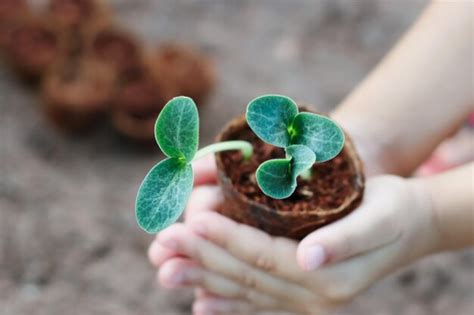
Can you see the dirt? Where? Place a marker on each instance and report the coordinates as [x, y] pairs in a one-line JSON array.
[[69, 243], [331, 182]]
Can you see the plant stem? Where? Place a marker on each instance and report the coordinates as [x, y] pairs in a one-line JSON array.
[[306, 174], [243, 146]]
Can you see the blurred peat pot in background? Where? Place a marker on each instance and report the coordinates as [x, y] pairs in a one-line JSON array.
[[114, 47], [92, 66], [189, 71], [82, 14], [77, 93], [138, 99], [32, 46], [10, 12]]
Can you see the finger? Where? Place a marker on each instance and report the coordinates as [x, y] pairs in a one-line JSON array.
[[340, 283], [219, 261], [205, 171], [203, 293], [367, 228], [202, 199], [275, 255], [208, 305], [157, 254], [179, 272]]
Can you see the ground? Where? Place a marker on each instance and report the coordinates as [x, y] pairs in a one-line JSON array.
[[69, 243]]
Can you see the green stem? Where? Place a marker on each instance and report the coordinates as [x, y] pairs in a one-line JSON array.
[[243, 146], [306, 174]]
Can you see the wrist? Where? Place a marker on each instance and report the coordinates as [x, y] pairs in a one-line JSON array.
[[368, 140], [428, 232]]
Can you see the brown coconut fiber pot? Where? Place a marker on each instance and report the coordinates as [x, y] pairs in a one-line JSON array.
[[33, 46], [77, 94], [139, 98], [11, 11], [117, 48], [334, 190], [84, 14], [188, 71]]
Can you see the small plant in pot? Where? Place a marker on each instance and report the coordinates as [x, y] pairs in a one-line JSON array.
[[281, 170]]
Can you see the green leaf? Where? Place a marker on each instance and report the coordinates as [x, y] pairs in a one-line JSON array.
[[302, 158], [320, 134], [163, 194], [277, 178], [270, 117], [177, 129]]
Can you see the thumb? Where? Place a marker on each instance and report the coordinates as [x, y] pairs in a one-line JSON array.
[[372, 225]]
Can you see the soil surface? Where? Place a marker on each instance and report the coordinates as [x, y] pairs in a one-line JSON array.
[[69, 243], [330, 184]]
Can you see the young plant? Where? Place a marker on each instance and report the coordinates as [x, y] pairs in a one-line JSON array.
[[165, 190], [307, 139]]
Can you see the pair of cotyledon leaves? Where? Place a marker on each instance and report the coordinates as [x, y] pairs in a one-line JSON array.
[[307, 138]]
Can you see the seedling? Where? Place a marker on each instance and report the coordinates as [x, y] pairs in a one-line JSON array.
[[307, 139]]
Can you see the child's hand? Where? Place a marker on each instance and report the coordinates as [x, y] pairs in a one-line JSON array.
[[244, 269]]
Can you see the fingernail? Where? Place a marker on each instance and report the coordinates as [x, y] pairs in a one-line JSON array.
[[314, 257]]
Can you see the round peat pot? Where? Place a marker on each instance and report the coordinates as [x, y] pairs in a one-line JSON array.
[[188, 72], [116, 48], [33, 46], [86, 14], [12, 8], [77, 94], [335, 188], [138, 100]]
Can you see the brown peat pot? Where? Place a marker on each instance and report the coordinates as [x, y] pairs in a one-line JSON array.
[[12, 9], [334, 190], [190, 72], [77, 94], [139, 97], [114, 47], [32, 46], [86, 14]]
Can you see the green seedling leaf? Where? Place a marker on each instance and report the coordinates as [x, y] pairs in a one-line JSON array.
[[163, 194], [302, 159], [320, 134], [277, 178], [270, 117], [177, 129]]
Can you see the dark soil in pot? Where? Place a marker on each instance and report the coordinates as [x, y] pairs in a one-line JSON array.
[[334, 190]]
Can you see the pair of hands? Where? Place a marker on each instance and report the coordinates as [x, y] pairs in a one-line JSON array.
[[238, 269]]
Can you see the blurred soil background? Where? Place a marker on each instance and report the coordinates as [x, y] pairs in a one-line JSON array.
[[69, 243]]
